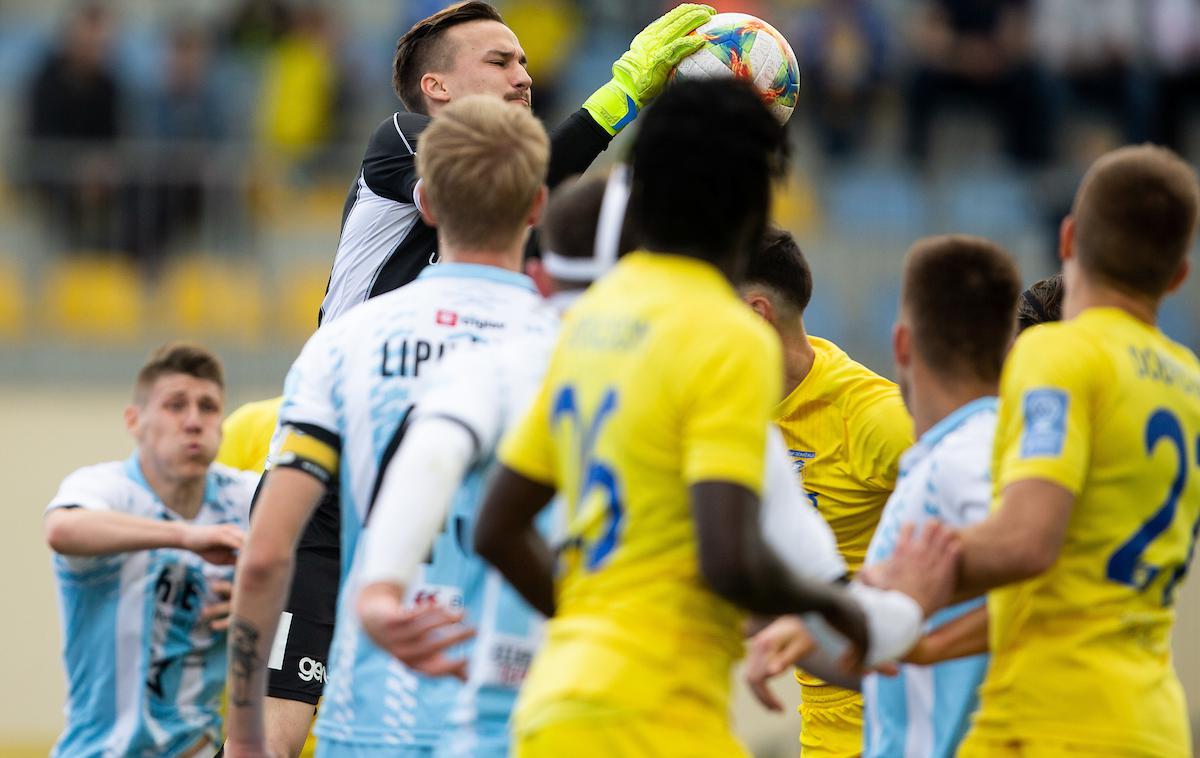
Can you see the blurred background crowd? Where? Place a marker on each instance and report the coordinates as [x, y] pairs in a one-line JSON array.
[[178, 169], [182, 167]]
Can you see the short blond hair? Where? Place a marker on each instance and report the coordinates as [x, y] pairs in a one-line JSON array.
[[482, 162]]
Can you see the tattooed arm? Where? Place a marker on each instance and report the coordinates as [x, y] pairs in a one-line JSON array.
[[288, 499]]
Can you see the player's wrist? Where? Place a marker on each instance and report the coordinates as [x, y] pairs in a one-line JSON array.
[[612, 107]]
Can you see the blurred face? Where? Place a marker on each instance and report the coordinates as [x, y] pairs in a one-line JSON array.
[[178, 426], [487, 60]]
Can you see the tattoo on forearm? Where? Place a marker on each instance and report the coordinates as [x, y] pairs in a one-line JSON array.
[[244, 661]]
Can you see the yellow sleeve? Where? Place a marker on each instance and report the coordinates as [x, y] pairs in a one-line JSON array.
[[1045, 425], [881, 430], [730, 386], [527, 448]]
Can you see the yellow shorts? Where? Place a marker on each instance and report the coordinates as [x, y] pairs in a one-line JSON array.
[[831, 722], [975, 746], [618, 737]]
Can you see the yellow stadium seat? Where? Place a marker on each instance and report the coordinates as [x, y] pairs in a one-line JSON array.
[[301, 291], [13, 302], [202, 296], [95, 298]]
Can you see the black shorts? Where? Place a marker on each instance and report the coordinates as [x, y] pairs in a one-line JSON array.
[[299, 658]]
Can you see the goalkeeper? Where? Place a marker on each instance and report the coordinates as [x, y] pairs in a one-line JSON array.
[[462, 50]]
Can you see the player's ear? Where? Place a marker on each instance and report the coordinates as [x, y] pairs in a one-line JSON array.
[[1066, 239], [433, 88], [536, 270], [422, 202], [132, 414], [538, 207], [902, 344], [760, 304], [1181, 274]]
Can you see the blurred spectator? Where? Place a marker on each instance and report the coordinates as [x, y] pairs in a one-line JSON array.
[[548, 30], [256, 25], [1175, 40], [978, 51], [1091, 47], [73, 124], [842, 52], [184, 120], [304, 92]]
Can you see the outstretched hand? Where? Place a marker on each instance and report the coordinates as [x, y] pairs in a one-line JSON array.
[[772, 651], [216, 544]]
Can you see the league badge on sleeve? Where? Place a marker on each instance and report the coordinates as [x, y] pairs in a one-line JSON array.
[[1045, 425]]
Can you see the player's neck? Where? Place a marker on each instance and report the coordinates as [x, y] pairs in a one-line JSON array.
[[934, 397], [183, 496], [509, 259], [1083, 293], [798, 358]]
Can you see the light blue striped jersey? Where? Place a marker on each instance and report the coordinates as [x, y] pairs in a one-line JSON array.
[[924, 711], [485, 391], [356, 380], [144, 675]]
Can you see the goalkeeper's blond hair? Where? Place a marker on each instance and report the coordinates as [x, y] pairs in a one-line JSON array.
[[482, 162]]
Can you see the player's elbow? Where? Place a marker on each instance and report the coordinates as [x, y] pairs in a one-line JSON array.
[[489, 543], [62, 532], [262, 564], [1033, 558]]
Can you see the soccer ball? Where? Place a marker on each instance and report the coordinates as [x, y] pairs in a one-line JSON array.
[[741, 45]]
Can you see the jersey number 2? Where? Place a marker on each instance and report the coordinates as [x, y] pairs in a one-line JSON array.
[[595, 474], [1126, 565]]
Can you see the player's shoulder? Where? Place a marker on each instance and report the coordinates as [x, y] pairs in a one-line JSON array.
[[109, 474], [398, 133], [235, 483], [1079, 349], [864, 395], [966, 446]]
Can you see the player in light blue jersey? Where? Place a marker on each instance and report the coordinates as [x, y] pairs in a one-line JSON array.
[[345, 402], [143, 558], [956, 321], [439, 471]]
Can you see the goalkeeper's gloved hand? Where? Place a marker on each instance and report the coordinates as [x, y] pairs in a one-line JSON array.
[[639, 74]]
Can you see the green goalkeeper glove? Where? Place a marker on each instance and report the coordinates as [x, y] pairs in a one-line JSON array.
[[639, 74]]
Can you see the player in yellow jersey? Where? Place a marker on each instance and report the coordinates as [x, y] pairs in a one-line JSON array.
[[845, 428], [246, 434], [652, 422], [1097, 478]]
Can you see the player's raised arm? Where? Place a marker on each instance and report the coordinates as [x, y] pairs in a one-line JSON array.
[[303, 466]]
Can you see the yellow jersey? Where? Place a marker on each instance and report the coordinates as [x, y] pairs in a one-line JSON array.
[[846, 428], [1109, 408], [662, 378], [246, 435]]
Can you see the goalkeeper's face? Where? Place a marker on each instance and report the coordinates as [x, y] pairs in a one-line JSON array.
[[178, 425], [486, 59]]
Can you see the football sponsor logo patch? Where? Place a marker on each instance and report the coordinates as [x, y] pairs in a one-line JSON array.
[[446, 318], [800, 457], [1045, 426]]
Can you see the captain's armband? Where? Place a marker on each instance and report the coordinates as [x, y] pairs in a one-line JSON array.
[[310, 449]]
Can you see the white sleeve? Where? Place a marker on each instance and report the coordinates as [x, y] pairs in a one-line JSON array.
[[92, 488], [791, 527], [414, 499], [466, 390], [894, 622], [308, 391]]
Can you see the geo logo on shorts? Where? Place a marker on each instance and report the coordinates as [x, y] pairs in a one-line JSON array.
[[310, 670], [1045, 426]]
